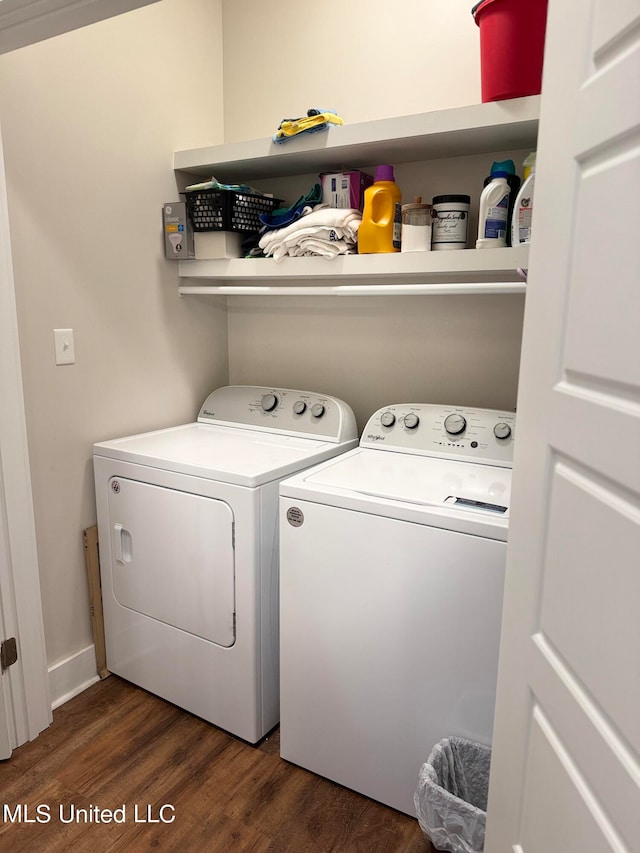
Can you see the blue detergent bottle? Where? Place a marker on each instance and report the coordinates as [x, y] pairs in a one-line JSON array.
[[509, 168]]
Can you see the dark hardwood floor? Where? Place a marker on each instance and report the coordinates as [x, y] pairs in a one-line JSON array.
[[116, 746]]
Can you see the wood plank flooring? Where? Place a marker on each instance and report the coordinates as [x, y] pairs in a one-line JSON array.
[[117, 746]]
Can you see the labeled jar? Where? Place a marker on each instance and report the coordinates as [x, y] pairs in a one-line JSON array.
[[416, 226], [450, 225]]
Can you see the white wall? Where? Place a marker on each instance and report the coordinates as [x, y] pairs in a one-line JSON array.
[[90, 121], [374, 351], [367, 60]]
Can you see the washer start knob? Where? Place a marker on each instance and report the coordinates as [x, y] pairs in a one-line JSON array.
[[269, 402], [455, 424]]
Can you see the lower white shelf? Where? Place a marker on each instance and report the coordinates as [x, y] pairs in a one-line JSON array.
[[449, 289], [462, 271]]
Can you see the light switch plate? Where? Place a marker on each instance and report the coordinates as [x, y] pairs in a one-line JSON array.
[[64, 346]]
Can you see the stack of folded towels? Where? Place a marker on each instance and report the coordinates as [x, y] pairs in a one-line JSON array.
[[320, 230]]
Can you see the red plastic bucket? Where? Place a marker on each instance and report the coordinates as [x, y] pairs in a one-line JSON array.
[[511, 47]]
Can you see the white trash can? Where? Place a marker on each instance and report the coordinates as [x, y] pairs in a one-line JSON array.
[[451, 799]]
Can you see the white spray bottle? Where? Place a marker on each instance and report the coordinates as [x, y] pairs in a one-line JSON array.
[[492, 219], [523, 206]]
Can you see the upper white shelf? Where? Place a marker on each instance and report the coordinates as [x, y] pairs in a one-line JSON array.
[[475, 129]]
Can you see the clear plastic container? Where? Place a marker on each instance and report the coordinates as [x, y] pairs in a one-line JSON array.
[[416, 226]]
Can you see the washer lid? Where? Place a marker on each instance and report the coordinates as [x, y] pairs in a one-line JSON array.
[[447, 493], [239, 456]]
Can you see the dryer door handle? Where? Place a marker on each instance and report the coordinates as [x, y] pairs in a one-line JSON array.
[[122, 544]]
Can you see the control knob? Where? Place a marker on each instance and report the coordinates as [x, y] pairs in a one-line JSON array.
[[299, 407], [455, 424], [317, 410], [388, 419], [269, 402], [502, 430], [411, 420]]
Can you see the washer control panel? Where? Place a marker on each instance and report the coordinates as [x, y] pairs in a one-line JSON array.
[[280, 410], [452, 432]]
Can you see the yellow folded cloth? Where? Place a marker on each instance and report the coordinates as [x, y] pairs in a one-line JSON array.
[[313, 121]]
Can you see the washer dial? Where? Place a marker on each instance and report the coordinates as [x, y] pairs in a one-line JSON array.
[[299, 407], [387, 419], [317, 410], [455, 424], [269, 402], [411, 420], [502, 430]]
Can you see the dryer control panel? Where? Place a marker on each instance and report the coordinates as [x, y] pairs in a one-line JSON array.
[[451, 432], [280, 410]]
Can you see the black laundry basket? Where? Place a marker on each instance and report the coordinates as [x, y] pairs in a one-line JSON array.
[[228, 210], [451, 799]]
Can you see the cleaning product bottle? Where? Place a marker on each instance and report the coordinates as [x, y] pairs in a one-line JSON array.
[[492, 218], [527, 164], [514, 182], [523, 207], [381, 226]]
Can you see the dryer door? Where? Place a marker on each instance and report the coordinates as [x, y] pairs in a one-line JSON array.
[[172, 557]]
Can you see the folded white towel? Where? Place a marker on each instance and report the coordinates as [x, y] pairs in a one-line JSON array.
[[328, 224], [310, 245]]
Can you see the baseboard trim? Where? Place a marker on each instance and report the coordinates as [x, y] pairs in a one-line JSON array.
[[71, 676]]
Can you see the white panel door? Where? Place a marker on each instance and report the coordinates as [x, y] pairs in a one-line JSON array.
[[5, 697], [28, 680], [565, 774], [173, 558]]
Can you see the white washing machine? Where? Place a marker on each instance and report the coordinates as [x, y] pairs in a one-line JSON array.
[[187, 522], [392, 563]]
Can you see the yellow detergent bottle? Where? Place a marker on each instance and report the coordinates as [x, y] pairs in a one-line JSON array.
[[381, 226]]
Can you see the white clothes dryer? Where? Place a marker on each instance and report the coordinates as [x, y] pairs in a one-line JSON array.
[[392, 561], [187, 521]]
